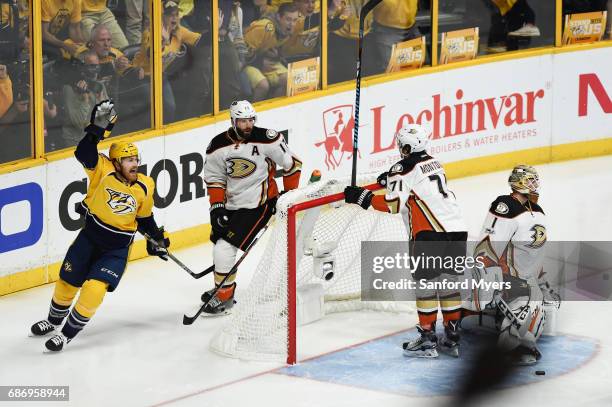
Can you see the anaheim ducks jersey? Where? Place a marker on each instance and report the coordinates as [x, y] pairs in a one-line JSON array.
[[513, 236], [113, 206], [416, 188], [240, 173]]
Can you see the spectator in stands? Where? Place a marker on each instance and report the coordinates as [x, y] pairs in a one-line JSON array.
[[231, 38], [95, 12], [113, 63], [176, 62], [61, 27], [80, 98], [6, 91], [137, 20], [22, 13], [519, 16], [342, 43], [304, 41], [256, 10], [15, 122], [266, 71], [196, 16], [394, 22]]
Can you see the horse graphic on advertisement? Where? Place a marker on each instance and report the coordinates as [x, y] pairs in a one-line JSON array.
[[338, 124]]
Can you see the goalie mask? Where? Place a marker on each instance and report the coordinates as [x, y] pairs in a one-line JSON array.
[[411, 138], [524, 179], [242, 109]]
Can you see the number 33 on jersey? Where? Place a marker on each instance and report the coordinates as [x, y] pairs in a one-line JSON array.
[[244, 169]]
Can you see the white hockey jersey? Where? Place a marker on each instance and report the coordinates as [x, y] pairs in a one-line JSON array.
[[513, 237], [416, 188], [240, 173]]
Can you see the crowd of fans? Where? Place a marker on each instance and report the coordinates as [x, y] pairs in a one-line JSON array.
[[98, 49]]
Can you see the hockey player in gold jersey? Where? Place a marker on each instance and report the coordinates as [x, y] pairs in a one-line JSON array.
[[239, 173], [119, 202]]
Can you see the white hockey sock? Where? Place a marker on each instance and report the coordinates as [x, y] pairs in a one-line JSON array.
[[224, 257]]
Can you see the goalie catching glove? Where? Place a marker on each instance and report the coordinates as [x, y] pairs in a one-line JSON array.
[[102, 120], [159, 244], [359, 196]]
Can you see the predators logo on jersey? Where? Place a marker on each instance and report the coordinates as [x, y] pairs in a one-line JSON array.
[[240, 167], [539, 236], [121, 203]]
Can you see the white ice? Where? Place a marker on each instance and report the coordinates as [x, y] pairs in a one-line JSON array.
[[136, 352]]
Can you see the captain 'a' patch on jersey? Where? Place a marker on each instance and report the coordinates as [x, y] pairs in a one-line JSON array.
[[120, 202]]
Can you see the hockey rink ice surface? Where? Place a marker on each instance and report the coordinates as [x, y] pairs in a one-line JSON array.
[[136, 352]]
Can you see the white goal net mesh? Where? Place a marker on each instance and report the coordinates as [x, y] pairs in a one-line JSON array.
[[258, 326]]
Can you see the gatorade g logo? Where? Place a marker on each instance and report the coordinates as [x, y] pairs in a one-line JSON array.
[[121, 203], [21, 216], [240, 167]]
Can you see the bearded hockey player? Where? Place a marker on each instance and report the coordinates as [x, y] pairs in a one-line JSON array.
[[416, 188], [512, 248], [239, 173], [119, 202]]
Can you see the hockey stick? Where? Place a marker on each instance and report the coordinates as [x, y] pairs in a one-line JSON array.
[[180, 263], [365, 10], [187, 320]]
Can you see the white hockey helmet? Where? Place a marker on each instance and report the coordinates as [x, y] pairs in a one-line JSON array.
[[242, 109], [412, 138]]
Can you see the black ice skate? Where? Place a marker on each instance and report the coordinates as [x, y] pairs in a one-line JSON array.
[[42, 328], [221, 303], [424, 346], [56, 343], [449, 343]]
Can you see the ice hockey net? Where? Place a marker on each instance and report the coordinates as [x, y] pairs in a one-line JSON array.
[[263, 325]]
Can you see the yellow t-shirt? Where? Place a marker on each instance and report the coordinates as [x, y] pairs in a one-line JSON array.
[[93, 6], [6, 95], [59, 13], [113, 202], [169, 51], [350, 29], [396, 13]]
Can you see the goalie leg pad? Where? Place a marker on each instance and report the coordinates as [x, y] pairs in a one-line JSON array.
[[524, 320]]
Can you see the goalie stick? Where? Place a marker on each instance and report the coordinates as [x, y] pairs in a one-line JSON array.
[[365, 10], [180, 263], [187, 320]]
